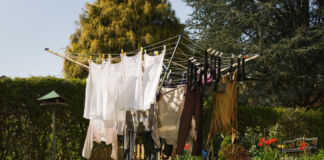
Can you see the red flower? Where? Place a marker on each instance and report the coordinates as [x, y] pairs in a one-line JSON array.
[[262, 140], [301, 148], [186, 147], [268, 142], [302, 144], [260, 144], [273, 140]]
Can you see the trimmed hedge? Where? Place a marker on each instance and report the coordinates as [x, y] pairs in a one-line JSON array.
[[295, 122], [26, 126], [26, 131]]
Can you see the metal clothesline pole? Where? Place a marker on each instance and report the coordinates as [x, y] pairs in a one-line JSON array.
[[175, 48], [67, 58]]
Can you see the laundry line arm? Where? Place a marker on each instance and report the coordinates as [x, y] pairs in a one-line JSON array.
[[177, 64], [246, 60], [67, 58]]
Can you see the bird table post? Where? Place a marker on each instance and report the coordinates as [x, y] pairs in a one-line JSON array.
[[52, 99]]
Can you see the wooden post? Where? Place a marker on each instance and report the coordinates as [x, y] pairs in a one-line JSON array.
[[53, 145]]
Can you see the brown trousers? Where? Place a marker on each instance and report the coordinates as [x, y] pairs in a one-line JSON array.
[[224, 117], [192, 107]]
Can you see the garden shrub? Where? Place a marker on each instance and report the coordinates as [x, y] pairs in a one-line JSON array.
[[26, 126]]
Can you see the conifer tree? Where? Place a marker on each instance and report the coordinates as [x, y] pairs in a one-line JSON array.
[[107, 26], [289, 34]]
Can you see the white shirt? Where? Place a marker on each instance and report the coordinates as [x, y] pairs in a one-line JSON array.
[[152, 72], [114, 93], [132, 93], [96, 90]]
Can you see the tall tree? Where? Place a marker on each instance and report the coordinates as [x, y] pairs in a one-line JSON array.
[[107, 26], [288, 33]]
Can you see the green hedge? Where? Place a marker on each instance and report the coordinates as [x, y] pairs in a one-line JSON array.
[[295, 122], [26, 127]]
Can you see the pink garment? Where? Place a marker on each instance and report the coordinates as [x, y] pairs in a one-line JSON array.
[[99, 133]]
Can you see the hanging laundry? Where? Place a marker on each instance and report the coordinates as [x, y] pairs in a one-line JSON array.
[[192, 107], [132, 82], [224, 117], [115, 93], [96, 91], [152, 72], [168, 112], [103, 92], [130, 126], [149, 146], [97, 132]]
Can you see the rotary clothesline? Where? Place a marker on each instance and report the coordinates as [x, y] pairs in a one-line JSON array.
[[179, 49]]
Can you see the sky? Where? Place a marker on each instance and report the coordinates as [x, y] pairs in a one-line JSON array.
[[28, 27]]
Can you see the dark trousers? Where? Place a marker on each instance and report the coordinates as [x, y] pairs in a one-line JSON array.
[[192, 108], [149, 148]]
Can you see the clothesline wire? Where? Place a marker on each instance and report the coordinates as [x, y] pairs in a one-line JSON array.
[[194, 43], [154, 44], [193, 50]]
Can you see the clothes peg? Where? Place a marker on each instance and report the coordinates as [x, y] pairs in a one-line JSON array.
[[239, 68], [206, 66], [156, 53], [122, 52], [218, 73], [90, 58], [110, 56], [221, 54], [194, 80], [243, 75], [125, 53], [164, 48], [213, 52], [188, 72], [216, 54], [141, 49], [191, 58], [209, 50], [231, 68], [103, 57], [183, 76], [200, 81]]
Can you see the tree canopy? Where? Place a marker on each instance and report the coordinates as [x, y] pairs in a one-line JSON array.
[[290, 35], [107, 26]]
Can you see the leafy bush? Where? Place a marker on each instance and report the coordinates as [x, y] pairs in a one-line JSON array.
[[26, 126]]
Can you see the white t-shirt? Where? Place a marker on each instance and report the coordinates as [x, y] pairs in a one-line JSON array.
[[152, 72], [103, 93], [132, 93], [96, 90], [114, 93]]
